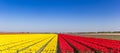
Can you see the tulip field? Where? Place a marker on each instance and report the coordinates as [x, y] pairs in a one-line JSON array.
[[28, 43], [56, 43]]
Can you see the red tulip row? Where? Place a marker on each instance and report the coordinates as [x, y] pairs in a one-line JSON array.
[[64, 46], [78, 46], [112, 45], [91, 45], [103, 42]]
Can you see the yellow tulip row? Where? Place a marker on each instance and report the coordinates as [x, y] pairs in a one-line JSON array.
[[51, 47], [27, 43]]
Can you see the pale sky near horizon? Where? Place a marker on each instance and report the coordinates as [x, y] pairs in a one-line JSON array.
[[59, 15]]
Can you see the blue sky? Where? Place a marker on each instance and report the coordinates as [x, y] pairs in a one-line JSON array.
[[59, 15]]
